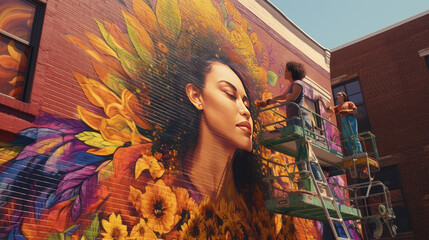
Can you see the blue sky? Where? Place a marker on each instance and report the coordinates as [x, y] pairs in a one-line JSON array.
[[335, 22]]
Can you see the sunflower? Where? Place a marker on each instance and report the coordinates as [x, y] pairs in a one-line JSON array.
[[114, 228], [208, 209], [185, 205], [141, 231], [233, 229], [193, 229], [159, 206], [210, 230], [263, 225]]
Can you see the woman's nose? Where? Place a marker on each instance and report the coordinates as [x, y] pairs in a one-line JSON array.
[[244, 110]]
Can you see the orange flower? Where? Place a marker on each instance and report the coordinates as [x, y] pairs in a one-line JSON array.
[[141, 231], [193, 229], [185, 205], [156, 168], [119, 130], [159, 206], [114, 228]]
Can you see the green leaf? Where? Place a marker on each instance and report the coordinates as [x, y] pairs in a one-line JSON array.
[[169, 19], [129, 62], [115, 84], [231, 25], [272, 78], [93, 230], [68, 229], [224, 11], [139, 38]]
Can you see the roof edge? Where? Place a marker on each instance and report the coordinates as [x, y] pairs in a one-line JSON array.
[[385, 29], [296, 26]]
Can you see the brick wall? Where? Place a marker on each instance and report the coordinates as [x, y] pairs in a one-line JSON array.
[[95, 152], [395, 82]]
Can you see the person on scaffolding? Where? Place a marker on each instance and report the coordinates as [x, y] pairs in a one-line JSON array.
[[346, 110], [294, 73]]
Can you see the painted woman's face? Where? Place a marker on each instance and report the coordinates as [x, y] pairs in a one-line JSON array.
[[226, 107]]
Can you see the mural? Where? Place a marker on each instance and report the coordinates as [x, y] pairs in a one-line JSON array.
[[168, 148], [16, 18]]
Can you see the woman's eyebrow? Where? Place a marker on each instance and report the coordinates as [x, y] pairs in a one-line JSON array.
[[230, 84]]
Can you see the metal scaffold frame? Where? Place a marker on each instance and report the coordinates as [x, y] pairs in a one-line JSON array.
[[314, 197]]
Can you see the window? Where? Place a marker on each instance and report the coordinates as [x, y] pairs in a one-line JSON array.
[[314, 107], [425, 54], [427, 61], [353, 90], [20, 25], [390, 177]]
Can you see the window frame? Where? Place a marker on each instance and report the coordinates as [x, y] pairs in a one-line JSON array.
[[33, 45], [424, 53], [316, 104], [343, 84]]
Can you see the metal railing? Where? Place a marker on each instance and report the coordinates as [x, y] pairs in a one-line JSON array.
[[319, 134]]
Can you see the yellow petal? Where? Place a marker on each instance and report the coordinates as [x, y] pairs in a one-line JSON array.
[[15, 53], [118, 219], [87, 50], [9, 62], [96, 92], [140, 38], [169, 18], [132, 105], [106, 224], [141, 165], [99, 44], [146, 16], [91, 119], [115, 109], [8, 153], [16, 80], [114, 37], [111, 76], [102, 151]]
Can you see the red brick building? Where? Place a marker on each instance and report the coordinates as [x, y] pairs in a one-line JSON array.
[[387, 74], [77, 148]]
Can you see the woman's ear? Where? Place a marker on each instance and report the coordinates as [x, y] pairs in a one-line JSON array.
[[194, 95]]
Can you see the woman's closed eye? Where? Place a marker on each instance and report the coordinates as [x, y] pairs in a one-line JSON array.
[[230, 95]]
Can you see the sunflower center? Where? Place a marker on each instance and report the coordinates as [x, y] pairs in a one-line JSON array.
[[116, 233], [195, 231], [141, 230], [185, 216], [158, 210], [209, 213]]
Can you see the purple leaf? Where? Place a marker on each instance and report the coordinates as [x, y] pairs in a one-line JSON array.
[[76, 208], [75, 178]]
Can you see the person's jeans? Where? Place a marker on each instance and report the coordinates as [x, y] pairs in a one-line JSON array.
[[297, 122], [350, 132]]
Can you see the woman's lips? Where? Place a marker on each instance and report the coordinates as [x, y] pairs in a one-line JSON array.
[[246, 127]]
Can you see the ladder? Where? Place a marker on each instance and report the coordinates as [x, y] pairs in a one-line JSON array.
[[311, 157]]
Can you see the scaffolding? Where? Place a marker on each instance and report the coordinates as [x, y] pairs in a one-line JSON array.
[[316, 148]]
